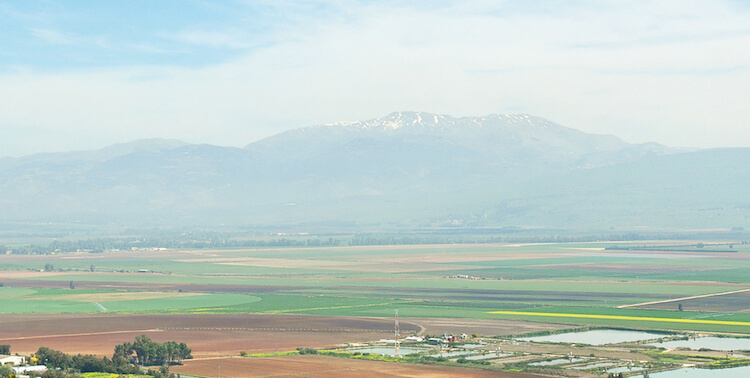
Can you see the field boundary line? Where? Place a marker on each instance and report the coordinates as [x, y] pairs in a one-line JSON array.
[[100, 306], [684, 298], [327, 308], [79, 334], [621, 317]]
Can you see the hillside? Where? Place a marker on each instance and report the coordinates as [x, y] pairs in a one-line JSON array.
[[404, 170]]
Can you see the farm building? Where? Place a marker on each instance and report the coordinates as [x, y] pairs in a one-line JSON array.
[[12, 360], [38, 369]]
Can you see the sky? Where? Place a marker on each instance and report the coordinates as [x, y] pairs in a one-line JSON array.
[[78, 74]]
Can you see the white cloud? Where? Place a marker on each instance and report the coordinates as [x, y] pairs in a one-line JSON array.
[[231, 39], [52, 36], [664, 71]]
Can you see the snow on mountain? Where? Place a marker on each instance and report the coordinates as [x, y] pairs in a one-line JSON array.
[[405, 166]]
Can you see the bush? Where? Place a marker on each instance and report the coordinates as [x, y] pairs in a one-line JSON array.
[[307, 350]]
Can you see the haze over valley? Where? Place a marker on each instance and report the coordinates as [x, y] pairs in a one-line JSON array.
[[415, 189], [406, 169]]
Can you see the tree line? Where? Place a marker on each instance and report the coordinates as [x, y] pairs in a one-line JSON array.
[[148, 352], [230, 240], [125, 359], [80, 363]]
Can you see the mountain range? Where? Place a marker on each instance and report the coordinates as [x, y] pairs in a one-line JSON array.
[[407, 169]]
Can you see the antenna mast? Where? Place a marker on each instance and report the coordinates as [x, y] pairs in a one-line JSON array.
[[398, 342]]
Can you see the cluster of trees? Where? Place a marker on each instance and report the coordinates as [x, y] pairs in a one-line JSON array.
[[148, 352], [5, 349], [55, 359], [101, 245], [302, 350]]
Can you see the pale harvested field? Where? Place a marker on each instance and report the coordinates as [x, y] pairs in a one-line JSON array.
[[319, 366], [482, 327], [413, 262], [363, 266], [124, 296], [628, 268], [23, 274]]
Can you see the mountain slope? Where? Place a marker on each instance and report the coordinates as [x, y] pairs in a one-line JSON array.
[[405, 169]]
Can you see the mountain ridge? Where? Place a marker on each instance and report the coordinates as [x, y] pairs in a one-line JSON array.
[[406, 168]]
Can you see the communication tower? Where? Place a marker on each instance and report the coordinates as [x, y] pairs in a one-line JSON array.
[[398, 342]]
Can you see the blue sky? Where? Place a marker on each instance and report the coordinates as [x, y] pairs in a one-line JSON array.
[[85, 74]]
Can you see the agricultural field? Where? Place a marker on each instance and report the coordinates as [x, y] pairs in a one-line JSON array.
[[496, 290]]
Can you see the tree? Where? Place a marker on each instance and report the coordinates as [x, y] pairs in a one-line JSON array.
[[91, 268], [163, 372], [143, 349], [72, 287], [4, 349], [6, 371], [49, 267], [54, 358], [123, 350], [148, 352], [679, 307]]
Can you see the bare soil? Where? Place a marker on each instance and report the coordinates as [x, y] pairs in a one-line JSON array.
[[207, 335], [739, 302], [319, 366], [482, 327], [227, 335]]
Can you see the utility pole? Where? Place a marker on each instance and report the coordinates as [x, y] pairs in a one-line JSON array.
[[398, 342]]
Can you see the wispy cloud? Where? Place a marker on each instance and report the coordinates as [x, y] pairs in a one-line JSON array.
[[664, 71], [232, 39], [52, 36]]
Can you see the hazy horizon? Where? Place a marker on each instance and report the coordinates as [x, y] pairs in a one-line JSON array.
[[240, 144]]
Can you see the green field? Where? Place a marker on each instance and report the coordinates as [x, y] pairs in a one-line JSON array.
[[421, 281], [24, 300]]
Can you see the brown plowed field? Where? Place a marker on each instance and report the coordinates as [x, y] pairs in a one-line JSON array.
[[207, 335], [214, 337], [319, 366], [226, 335]]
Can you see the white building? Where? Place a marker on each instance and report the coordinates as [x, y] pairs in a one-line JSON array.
[[12, 360], [40, 369]]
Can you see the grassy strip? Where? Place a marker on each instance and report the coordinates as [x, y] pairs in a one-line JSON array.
[[299, 310], [266, 355]]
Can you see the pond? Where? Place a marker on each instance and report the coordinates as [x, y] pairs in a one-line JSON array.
[[453, 354], [594, 366], [558, 361], [488, 356], [596, 337], [625, 369], [713, 343], [472, 346], [386, 351], [702, 373]]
